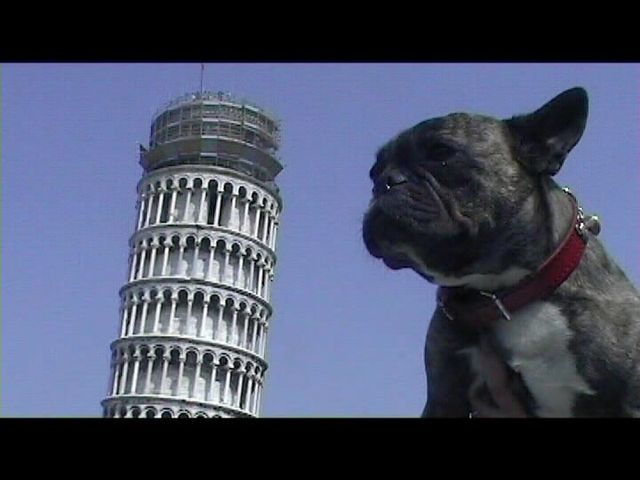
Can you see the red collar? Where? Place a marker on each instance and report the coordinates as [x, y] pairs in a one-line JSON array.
[[478, 309]]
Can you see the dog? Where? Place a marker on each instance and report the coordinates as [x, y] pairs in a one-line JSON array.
[[533, 318]]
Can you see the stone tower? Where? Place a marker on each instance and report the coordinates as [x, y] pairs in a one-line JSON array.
[[195, 310]]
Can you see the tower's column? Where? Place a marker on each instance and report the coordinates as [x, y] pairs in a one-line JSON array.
[[184, 329], [156, 318], [187, 204], [232, 333], [181, 360], [255, 396], [165, 257], [214, 369], [136, 369], [225, 271], [116, 373], [149, 207], [174, 304], [166, 357], [196, 376], [218, 326], [252, 265], [194, 260], [180, 270], [275, 236], [160, 202], [145, 309], [227, 383], [212, 250], [172, 207], [216, 214], [272, 228], [203, 320], [257, 224], [240, 275], [239, 394], [123, 328], [266, 280], [255, 333], [142, 203], [202, 211], [125, 371], [260, 274], [260, 336], [263, 347], [258, 402], [265, 227], [247, 397], [134, 263], [151, 359], [143, 255], [134, 311], [244, 226], [152, 260], [245, 332], [233, 217]]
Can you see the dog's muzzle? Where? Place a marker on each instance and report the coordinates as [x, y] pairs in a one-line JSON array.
[[387, 181]]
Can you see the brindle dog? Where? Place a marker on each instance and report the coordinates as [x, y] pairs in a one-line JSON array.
[[468, 201]]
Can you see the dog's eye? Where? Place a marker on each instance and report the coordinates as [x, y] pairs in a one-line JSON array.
[[440, 151]]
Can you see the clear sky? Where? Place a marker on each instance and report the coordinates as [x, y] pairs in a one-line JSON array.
[[347, 335]]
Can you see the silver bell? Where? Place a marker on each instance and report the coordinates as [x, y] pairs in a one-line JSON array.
[[593, 224]]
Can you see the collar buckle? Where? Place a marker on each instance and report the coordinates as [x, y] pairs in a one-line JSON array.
[[498, 303], [582, 225]]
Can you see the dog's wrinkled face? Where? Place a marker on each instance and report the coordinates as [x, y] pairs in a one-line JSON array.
[[451, 194]]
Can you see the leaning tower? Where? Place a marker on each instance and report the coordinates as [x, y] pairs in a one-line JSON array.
[[195, 310]]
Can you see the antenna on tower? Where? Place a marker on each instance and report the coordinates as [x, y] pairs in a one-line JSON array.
[[201, 77]]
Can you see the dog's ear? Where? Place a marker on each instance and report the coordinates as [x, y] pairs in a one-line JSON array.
[[545, 137]]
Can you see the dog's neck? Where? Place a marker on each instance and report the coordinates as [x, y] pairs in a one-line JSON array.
[[490, 306], [560, 215]]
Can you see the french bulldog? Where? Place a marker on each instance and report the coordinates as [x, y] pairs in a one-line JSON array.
[[533, 317]]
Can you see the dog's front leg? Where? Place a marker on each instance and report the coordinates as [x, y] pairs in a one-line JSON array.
[[448, 372]]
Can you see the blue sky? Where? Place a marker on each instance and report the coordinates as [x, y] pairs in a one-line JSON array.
[[348, 334]]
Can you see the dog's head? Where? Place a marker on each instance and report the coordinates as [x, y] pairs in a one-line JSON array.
[[458, 194]]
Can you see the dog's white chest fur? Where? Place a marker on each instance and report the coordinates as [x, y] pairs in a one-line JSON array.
[[537, 338]]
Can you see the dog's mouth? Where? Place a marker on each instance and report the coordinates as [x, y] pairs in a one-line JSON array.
[[399, 216], [379, 234]]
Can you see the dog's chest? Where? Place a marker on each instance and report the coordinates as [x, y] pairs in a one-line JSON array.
[[536, 343]]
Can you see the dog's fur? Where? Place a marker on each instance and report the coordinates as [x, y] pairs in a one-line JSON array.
[[468, 200]]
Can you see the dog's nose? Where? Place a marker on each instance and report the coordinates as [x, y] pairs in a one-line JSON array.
[[387, 180], [395, 177]]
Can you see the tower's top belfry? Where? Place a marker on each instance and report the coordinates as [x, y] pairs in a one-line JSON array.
[[214, 128]]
